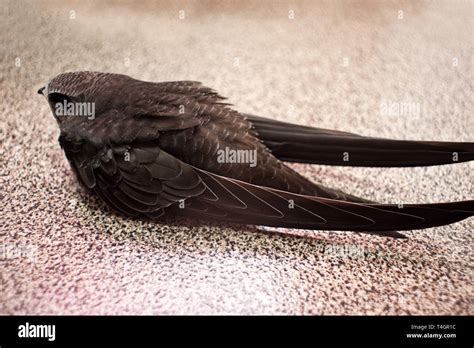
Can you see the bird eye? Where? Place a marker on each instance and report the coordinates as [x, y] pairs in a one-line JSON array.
[[54, 98], [58, 102]]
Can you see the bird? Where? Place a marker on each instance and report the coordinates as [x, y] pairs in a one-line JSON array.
[[154, 149]]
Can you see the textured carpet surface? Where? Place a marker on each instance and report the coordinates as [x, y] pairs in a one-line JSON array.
[[334, 65]]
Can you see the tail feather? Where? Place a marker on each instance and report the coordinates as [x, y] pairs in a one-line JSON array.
[[294, 143]]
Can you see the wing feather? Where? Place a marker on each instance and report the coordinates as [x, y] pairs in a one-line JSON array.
[[260, 205]]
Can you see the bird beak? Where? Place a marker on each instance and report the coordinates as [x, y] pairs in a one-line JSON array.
[[40, 91]]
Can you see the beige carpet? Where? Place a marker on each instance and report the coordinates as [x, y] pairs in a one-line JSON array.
[[334, 65]]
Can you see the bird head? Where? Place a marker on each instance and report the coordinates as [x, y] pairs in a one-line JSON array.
[[73, 87]]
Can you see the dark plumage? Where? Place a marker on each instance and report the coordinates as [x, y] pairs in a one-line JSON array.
[[152, 148]]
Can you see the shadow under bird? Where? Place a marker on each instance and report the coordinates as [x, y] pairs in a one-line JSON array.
[[153, 148]]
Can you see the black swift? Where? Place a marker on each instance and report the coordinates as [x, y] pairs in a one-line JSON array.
[[152, 148]]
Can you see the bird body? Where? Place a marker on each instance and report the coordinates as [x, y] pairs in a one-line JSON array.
[[156, 148]]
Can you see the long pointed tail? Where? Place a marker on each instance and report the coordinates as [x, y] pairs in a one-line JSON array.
[[294, 143]]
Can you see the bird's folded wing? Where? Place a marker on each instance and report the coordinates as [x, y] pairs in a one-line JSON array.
[[231, 200], [135, 179], [295, 143], [142, 179]]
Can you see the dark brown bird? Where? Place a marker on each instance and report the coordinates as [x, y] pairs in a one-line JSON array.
[[177, 148]]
